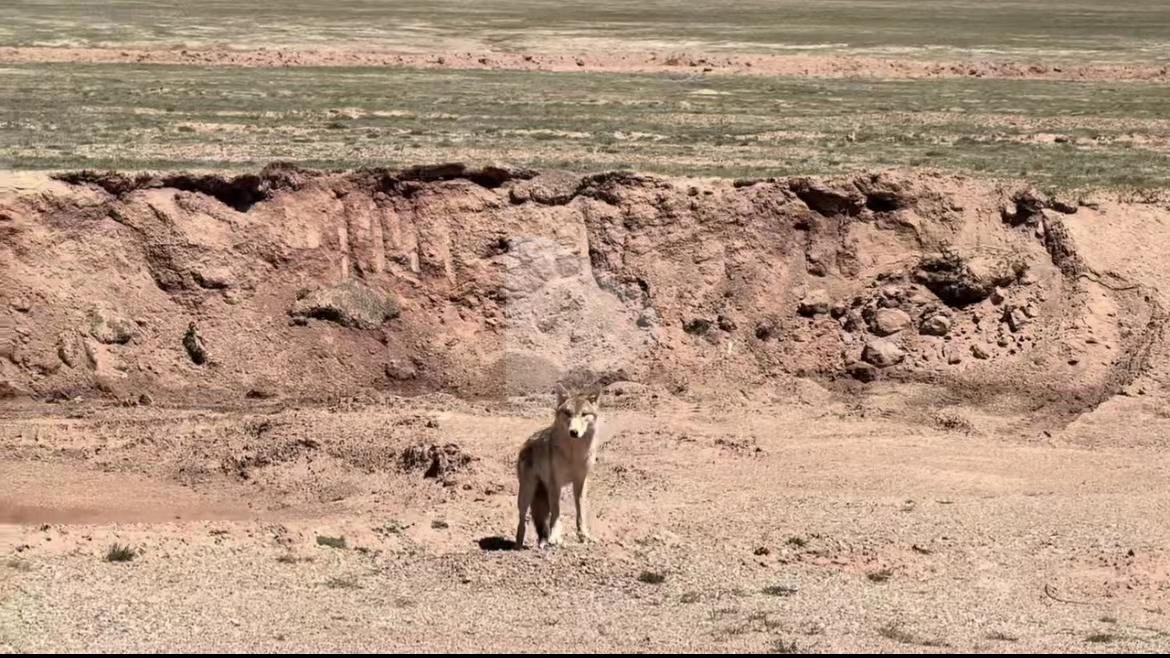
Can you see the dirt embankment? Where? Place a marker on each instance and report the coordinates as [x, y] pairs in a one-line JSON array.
[[494, 281], [682, 62]]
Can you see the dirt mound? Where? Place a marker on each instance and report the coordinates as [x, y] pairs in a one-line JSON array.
[[494, 281], [435, 462], [350, 304], [239, 192]]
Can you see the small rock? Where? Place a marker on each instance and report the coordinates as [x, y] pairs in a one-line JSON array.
[[882, 353], [888, 321], [815, 302], [725, 323], [109, 328], [997, 296], [648, 317], [22, 305], [918, 297], [193, 343], [70, 350], [9, 390], [980, 351], [1016, 319], [44, 363], [626, 389], [952, 355], [765, 330], [852, 321], [399, 371], [1064, 204], [351, 304], [863, 372], [214, 278], [261, 390], [697, 326], [936, 325], [960, 282], [1003, 341]]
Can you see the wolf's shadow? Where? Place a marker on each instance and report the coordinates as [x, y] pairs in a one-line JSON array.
[[496, 543]]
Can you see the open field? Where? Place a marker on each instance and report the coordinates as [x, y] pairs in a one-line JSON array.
[[877, 289], [1079, 31], [135, 117], [845, 531], [1066, 94]]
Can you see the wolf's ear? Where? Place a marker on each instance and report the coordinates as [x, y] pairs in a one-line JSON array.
[[594, 393], [562, 394]]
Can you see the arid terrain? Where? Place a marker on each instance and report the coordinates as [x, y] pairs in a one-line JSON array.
[[879, 305]]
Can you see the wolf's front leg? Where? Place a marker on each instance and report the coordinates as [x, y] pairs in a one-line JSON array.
[[554, 514], [581, 498]]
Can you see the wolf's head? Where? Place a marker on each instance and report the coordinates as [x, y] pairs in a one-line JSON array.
[[577, 411]]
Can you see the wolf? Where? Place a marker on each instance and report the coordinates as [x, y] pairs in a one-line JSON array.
[[552, 458]]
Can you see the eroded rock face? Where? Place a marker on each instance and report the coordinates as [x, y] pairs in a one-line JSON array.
[[960, 281], [350, 304], [500, 282]]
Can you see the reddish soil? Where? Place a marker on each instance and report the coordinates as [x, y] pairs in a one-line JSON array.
[[820, 66], [887, 411], [499, 282]]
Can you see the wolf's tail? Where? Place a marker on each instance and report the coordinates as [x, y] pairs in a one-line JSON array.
[[540, 510]]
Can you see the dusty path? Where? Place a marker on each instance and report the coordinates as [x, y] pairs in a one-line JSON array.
[[677, 63], [818, 525]]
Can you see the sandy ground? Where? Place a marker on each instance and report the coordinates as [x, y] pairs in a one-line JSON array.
[[759, 489], [817, 524], [787, 514]]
